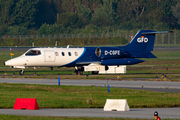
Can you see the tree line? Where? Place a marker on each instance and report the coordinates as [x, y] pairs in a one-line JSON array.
[[22, 17]]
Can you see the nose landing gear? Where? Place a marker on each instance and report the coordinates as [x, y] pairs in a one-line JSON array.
[[21, 72], [79, 70]]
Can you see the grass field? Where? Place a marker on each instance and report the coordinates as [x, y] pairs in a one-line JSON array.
[[10, 117], [50, 96]]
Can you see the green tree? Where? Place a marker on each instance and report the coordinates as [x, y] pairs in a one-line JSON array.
[[23, 13], [5, 9], [58, 6], [83, 12], [167, 14], [68, 6], [71, 20], [46, 29], [130, 9], [92, 4], [46, 13], [104, 15], [3, 29], [176, 11], [17, 30]]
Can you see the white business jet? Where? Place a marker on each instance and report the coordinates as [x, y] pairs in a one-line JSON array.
[[95, 59]]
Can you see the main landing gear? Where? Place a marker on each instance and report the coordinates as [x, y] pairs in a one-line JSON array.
[[79, 71], [95, 72]]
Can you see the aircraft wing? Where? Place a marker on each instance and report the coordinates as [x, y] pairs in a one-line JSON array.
[[87, 62]]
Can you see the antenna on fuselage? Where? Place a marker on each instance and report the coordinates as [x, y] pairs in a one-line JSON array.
[[69, 45]]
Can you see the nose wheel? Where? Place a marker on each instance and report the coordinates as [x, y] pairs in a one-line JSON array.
[[21, 72], [79, 70]]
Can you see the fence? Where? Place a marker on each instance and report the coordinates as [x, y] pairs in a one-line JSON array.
[[126, 35], [161, 39]]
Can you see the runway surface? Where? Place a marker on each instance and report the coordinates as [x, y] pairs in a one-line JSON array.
[[170, 113], [158, 86]]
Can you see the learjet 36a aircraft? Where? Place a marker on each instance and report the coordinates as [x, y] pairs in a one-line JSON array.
[[95, 59]]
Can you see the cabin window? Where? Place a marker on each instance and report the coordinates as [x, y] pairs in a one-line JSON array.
[[98, 52], [63, 54], [76, 54], [56, 53], [69, 53], [33, 52]]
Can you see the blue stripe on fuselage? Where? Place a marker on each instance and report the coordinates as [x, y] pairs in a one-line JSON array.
[[73, 62], [87, 55]]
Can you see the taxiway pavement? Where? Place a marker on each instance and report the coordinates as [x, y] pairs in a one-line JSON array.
[[159, 86], [171, 113]]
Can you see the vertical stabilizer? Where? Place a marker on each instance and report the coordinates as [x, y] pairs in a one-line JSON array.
[[142, 41], [142, 44]]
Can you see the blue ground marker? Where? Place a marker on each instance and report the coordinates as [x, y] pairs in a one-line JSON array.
[[58, 80], [108, 89]]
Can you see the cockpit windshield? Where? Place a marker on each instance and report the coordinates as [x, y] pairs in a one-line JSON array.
[[33, 52]]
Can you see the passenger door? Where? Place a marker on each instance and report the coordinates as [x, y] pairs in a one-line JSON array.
[[49, 56]]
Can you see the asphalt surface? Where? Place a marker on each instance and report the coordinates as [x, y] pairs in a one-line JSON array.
[[158, 86], [171, 113]]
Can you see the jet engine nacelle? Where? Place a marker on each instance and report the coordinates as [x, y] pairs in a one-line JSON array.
[[109, 52], [122, 61]]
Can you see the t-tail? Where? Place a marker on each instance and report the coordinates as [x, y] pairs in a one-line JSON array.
[[142, 44]]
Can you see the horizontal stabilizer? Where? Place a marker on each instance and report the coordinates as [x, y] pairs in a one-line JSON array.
[[156, 32]]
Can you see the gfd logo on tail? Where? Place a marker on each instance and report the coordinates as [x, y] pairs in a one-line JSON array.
[[142, 39]]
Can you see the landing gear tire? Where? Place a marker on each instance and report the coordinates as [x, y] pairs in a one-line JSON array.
[[21, 72], [79, 72], [95, 72]]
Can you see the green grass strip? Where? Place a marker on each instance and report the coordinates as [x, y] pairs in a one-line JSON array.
[[15, 117], [49, 96]]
